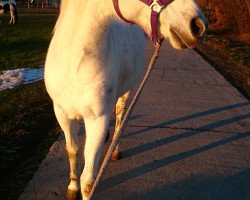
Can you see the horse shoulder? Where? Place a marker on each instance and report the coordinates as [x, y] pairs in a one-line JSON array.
[[129, 54]]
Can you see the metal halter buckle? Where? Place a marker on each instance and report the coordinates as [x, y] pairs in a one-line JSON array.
[[155, 6]]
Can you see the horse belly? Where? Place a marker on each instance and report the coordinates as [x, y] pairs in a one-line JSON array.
[[83, 93], [73, 88]]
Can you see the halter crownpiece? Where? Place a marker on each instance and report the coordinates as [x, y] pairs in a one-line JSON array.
[[118, 11], [156, 7]]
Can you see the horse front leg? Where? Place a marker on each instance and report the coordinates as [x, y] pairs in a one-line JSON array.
[[119, 111], [96, 130], [11, 17], [70, 128]]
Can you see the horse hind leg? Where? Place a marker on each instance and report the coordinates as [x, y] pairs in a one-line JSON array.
[[70, 128], [119, 110]]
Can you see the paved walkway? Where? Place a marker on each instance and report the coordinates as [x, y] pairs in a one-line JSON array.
[[188, 139]]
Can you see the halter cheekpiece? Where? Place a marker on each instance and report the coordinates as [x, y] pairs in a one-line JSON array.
[[156, 7]]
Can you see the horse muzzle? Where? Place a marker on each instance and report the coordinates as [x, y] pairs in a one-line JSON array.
[[198, 27], [191, 36]]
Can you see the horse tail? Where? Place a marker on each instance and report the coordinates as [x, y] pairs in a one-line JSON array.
[[15, 12]]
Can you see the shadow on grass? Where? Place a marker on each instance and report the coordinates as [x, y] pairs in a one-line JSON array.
[[13, 47], [23, 53], [28, 128]]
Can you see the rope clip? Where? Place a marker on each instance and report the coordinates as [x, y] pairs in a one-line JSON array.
[[155, 6]]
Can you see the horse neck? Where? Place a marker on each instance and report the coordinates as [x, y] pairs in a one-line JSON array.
[[83, 21], [93, 17], [136, 11]]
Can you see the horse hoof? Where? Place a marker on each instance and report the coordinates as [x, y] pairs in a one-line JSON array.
[[88, 189], [73, 195], [107, 136], [116, 155]]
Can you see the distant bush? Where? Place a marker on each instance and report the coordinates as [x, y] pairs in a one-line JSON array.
[[228, 17]]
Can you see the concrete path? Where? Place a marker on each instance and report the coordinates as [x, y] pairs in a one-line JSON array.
[[188, 139]]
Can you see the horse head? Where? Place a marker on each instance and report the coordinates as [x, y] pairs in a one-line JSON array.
[[182, 21]]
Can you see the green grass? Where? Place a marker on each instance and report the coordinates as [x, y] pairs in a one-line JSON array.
[[27, 122], [24, 44], [28, 128]]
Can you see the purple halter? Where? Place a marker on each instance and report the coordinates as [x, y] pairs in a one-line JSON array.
[[154, 15]]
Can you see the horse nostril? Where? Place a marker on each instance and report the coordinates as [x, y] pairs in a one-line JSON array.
[[198, 27]]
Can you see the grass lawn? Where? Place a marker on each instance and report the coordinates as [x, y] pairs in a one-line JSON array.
[[28, 129], [27, 123], [24, 44]]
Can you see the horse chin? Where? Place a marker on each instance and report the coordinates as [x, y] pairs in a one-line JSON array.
[[176, 41], [182, 42]]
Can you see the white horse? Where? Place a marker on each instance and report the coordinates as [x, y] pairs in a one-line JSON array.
[[94, 59], [9, 6]]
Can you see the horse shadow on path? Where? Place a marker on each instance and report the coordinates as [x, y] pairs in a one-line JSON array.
[[210, 188], [197, 115], [202, 187]]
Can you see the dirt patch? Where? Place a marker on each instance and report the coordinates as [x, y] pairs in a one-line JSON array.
[[228, 17], [228, 50], [231, 61]]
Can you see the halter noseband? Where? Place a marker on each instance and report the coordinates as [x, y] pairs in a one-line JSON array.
[[156, 7]]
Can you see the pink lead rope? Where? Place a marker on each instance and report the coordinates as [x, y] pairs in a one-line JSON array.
[[154, 15]]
